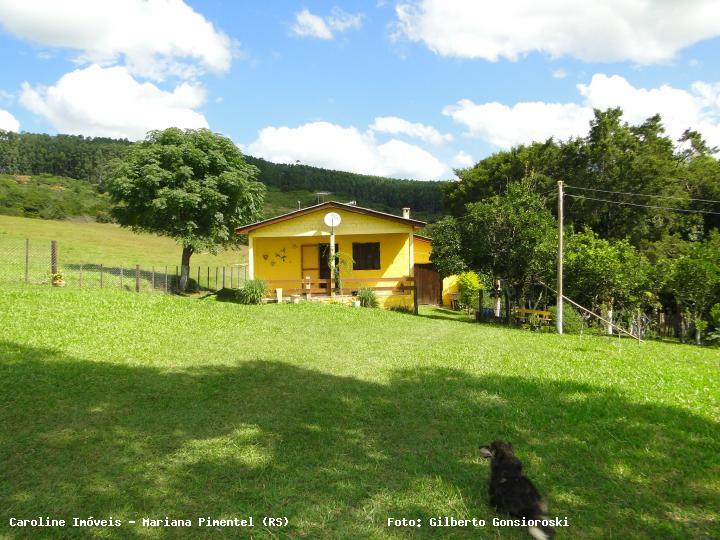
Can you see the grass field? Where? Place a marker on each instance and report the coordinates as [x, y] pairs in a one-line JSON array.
[[84, 242], [126, 405]]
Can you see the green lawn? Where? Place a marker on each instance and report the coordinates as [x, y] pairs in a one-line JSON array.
[[126, 405]]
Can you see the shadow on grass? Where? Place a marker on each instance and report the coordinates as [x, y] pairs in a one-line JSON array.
[[339, 455], [444, 314]]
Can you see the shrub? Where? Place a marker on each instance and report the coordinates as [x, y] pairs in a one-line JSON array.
[[367, 297], [468, 284], [714, 336], [573, 322], [251, 293]]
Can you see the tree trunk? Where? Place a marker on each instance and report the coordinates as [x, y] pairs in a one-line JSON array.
[[610, 318], [185, 267]]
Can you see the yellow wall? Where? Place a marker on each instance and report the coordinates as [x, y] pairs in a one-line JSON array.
[[449, 289], [423, 248], [277, 258], [312, 225]]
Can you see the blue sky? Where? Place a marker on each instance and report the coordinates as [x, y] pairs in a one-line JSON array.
[[404, 89]]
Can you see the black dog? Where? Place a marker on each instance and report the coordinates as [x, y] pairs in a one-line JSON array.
[[511, 491]]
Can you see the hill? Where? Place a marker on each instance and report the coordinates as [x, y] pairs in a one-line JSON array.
[[87, 242], [139, 405], [384, 194], [51, 197], [91, 159]]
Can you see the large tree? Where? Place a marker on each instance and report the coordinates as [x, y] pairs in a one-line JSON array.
[[606, 275], [192, 185], [510, 237], [696, 281]]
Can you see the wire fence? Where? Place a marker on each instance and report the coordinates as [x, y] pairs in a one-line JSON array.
[[40, 262]]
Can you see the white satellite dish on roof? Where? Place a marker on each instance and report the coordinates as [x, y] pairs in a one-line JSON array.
[[332, 219]]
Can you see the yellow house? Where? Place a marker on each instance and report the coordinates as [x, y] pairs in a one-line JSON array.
[[375, 249]]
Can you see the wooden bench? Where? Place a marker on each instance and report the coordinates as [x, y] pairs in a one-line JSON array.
[[522, 314]]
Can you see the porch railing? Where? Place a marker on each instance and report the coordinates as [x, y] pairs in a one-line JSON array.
[[310, 286]]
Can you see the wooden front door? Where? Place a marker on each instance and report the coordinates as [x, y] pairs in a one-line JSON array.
[[429, 284]]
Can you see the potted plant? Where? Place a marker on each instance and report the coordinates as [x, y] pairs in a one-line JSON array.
[[57, 280]]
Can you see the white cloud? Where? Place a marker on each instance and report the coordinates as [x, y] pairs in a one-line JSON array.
[[8, 122], [110, 102], [463, 159], [559, 73], [156, 38], [505, 126], [308, 24], [399, 126], [697, 108], [642, 31], [328, 145]]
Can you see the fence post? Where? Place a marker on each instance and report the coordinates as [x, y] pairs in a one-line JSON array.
[[137, 278], [27, 259], [101, 276], [198, 281], [223, 277], [53, 256], [231, 276]]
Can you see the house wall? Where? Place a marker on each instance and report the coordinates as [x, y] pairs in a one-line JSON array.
[[423, 248], [281, 258], [312, 225]]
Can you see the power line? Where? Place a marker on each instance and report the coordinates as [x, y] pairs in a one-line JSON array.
[[643, 194], [625, 203]]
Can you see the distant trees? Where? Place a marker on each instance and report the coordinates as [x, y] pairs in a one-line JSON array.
[[388, 194], [92, 159], [192, 185], [73, 156]]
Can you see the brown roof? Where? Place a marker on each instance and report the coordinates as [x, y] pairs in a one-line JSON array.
[[327, 205]]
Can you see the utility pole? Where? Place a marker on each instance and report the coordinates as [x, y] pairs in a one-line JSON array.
[[332, 262], [559, 317]]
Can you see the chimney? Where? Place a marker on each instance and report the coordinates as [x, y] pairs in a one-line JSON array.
[[406, 212]]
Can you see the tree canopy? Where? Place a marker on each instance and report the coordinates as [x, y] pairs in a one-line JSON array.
[[613, 159], [192, 185]]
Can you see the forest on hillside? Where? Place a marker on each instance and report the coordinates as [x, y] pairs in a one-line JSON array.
[[91, 159]]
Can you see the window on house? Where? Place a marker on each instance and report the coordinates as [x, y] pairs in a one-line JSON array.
[[366, 256]]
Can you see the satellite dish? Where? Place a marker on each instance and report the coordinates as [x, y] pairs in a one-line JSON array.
[[332, 219]]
